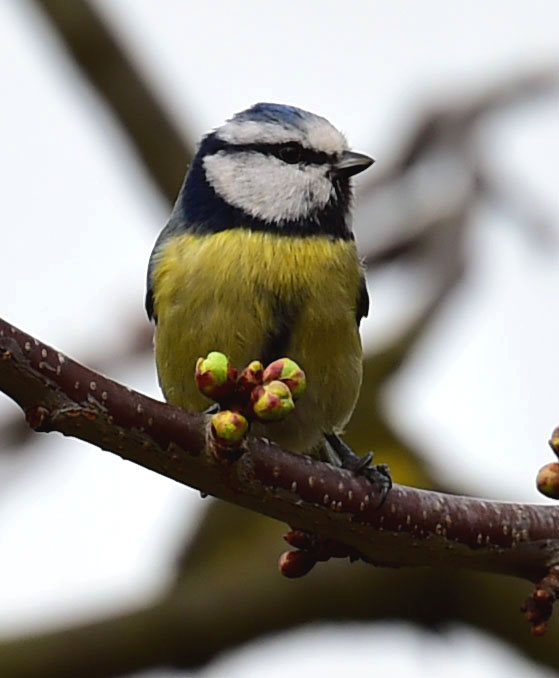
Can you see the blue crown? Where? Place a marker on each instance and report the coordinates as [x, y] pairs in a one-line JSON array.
[[278, 113]]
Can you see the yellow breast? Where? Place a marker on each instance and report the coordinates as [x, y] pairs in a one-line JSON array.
[[226, 291]]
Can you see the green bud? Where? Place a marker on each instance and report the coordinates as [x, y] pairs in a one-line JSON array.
[[288, 372], [214, 376], [229, 427], [547, 480], [272, 401]]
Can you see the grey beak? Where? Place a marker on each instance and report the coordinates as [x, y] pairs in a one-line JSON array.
[[352, 163]]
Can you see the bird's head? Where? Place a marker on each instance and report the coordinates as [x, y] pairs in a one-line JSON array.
[[272, 167]]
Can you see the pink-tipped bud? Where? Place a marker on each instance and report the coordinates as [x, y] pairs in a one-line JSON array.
[[554, 441], [294, 564], [250, 378], [214, 376], [272, 401], [228, 430], [288, 372], [548, 480]]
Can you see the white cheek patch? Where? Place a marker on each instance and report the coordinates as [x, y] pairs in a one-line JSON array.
[[267, 188], [316, 133]]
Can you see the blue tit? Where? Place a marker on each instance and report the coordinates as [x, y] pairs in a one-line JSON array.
[[258, 261]]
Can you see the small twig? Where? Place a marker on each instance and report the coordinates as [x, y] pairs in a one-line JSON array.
[[539, 606]]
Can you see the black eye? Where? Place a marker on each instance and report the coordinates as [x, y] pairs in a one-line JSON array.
[[290, 153]]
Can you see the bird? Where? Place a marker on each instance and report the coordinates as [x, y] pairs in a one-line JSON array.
[[258, 261]]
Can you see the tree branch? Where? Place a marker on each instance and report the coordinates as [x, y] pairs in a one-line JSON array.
[[414, 527]]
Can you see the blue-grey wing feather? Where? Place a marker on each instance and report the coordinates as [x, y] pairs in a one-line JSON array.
[[174, 225], [362, 310]]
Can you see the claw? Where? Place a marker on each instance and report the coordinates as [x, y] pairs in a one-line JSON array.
[[360, 464], [378, 474]]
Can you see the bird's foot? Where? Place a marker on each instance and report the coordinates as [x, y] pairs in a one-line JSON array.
[[378, 474]]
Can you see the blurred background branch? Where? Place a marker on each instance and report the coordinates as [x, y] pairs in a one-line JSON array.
[[161, 147]]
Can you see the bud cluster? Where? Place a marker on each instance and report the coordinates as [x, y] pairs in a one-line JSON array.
[[256, 393]]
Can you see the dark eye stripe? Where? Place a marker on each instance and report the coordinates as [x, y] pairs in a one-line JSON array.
[[307, 155]]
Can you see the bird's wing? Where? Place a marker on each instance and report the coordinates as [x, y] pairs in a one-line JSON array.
[[172, 227], [362, 301]]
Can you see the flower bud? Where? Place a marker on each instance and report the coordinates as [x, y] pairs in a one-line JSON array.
[[228, 428], [554, 441], [288, 372], [250, 378], [272, 401], [294, 564], [214, 376], [548, 480]]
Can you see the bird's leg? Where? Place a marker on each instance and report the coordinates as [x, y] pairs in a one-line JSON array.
[[379, 474], [212, 409], [326, 453]]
